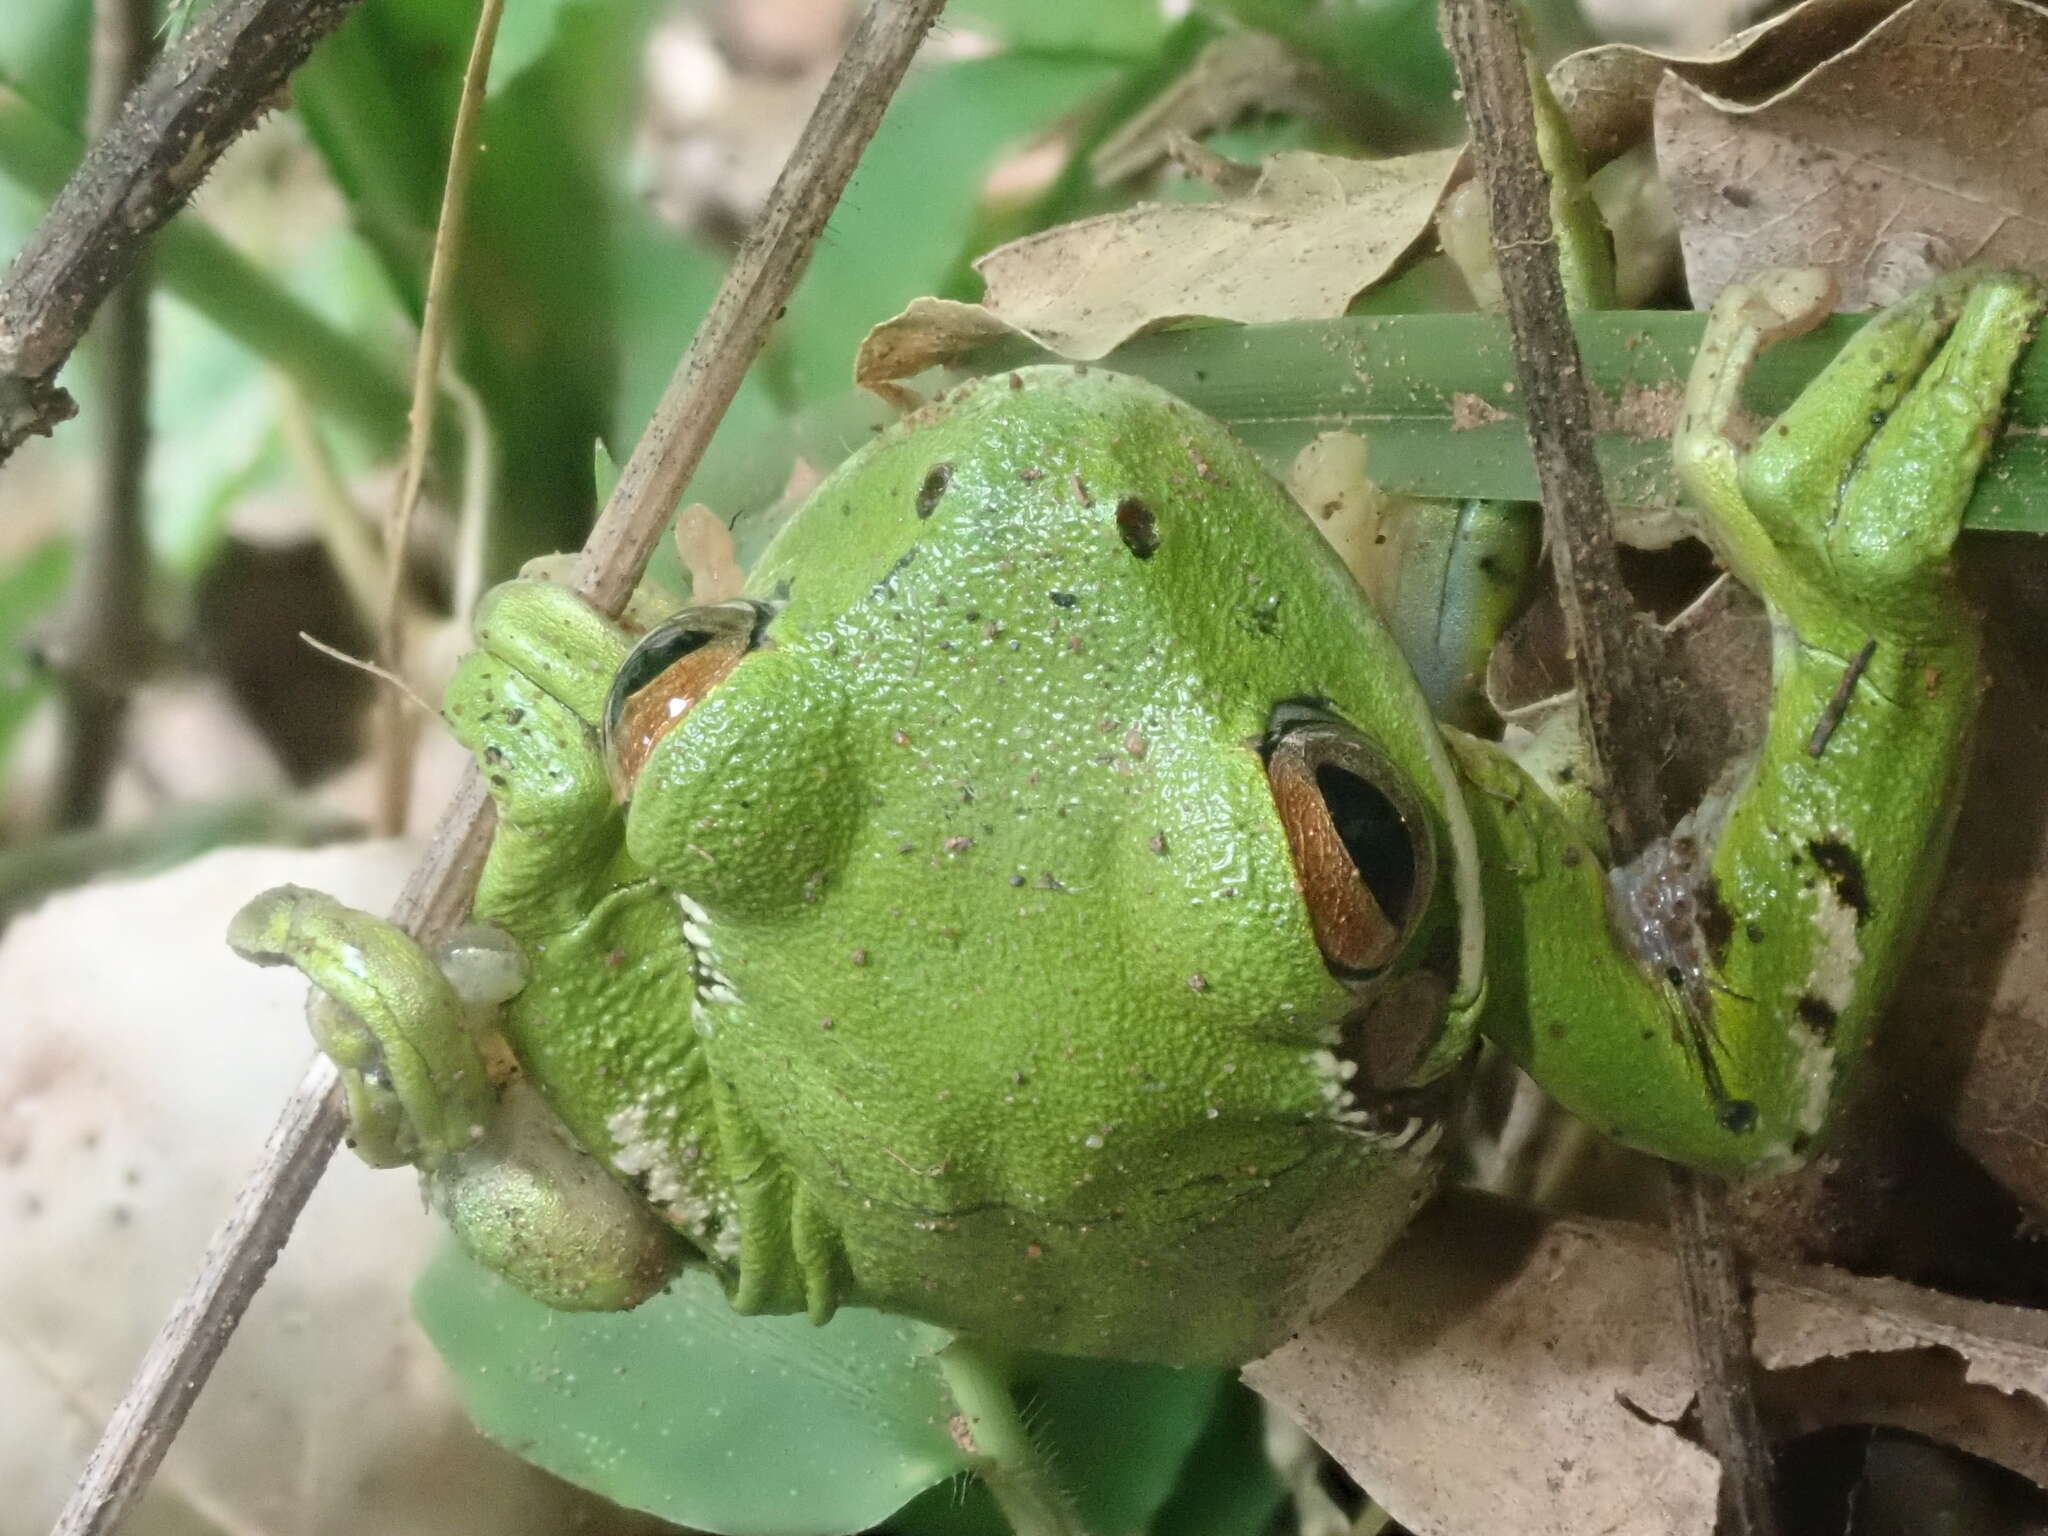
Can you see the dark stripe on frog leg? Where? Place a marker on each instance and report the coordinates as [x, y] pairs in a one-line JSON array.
[[1731, 1114], [1838, 861], [1818, 1016]]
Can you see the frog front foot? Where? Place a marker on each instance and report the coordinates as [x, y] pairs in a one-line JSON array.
[[1843, 512], [426, 1082]]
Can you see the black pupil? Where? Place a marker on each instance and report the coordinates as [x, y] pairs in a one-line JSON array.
[[1374, 835]]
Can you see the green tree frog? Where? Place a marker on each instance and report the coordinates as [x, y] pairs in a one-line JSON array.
[[1044, 904]]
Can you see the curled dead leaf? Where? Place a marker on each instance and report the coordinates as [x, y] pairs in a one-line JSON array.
[[1315, 231], [1496, 1374], [1921, 148], [1608, 92]]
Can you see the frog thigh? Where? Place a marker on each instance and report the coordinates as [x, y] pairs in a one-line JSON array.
[[1587, 1020]]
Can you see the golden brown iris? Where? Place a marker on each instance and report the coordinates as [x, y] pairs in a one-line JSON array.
[[675, 665], [1363, 853]]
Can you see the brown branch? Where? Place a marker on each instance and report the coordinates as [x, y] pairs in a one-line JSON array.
[[101, 643], [222, 75], [1715, 1281], [1625, 690], [436, 898]]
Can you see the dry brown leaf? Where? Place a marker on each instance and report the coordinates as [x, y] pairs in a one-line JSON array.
[[1920, 149], [1968, 1028], [705, 546], [1608, 92], [1315, 232], [1495, 1374]]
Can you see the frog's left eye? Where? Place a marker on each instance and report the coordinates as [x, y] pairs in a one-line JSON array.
[[1364, 854], [673, 667]]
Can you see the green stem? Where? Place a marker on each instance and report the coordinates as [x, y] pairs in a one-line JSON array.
[[337, 375], [1004, 1456]]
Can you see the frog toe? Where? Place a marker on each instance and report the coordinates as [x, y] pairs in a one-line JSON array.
[[383, 1011], [1903, 501], [558, 829], [551, 636], [1793, 475]]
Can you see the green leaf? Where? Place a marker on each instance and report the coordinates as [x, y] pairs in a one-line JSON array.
[[1387, 51], [532, 323], [30, 590], [1112, 28], [1118, 1438], [525, 33], [45, 52], [1435, 397], [1227, 1486], [664, 282], [913, 201], [1118, 1434], [762, 1426]]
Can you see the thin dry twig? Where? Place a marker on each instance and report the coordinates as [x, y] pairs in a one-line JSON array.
[[1624, 688], [1715, 1282], [398, 733], [435, 899], [403, 691], [101, 643], [202, 94]]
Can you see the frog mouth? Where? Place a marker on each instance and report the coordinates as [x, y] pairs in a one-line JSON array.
[[713, 985]]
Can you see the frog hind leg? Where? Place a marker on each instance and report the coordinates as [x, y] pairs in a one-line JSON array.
[[1847, 506], [1709, 1002], [408, 1032]]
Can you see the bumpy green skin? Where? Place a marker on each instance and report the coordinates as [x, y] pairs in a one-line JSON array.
[[1013, 1018], [950, 956]]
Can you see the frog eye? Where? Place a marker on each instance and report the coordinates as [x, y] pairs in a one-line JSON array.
[[673, 667], [1364, 854]]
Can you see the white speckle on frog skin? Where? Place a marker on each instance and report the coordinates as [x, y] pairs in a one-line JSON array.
[[713, 985], [1333, 1077], [1817, 1075], [671, 1173], [1836, 954]]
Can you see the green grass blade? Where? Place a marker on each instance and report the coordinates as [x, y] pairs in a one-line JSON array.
[[1434, 395]]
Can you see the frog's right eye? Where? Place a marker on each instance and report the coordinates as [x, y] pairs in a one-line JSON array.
[[663, 678], [1364, 854]]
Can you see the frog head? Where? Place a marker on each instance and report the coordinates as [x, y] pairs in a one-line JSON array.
[[1064, 853]]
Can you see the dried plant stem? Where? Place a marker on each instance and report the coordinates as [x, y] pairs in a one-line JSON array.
[[1715, 1283], [101, 645], [1625, 690], [398, 732], [201, 95], [759, 283]]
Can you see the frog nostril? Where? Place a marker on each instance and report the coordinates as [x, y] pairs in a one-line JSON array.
[[1137, 527], [1364, 855], [936, 479]]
